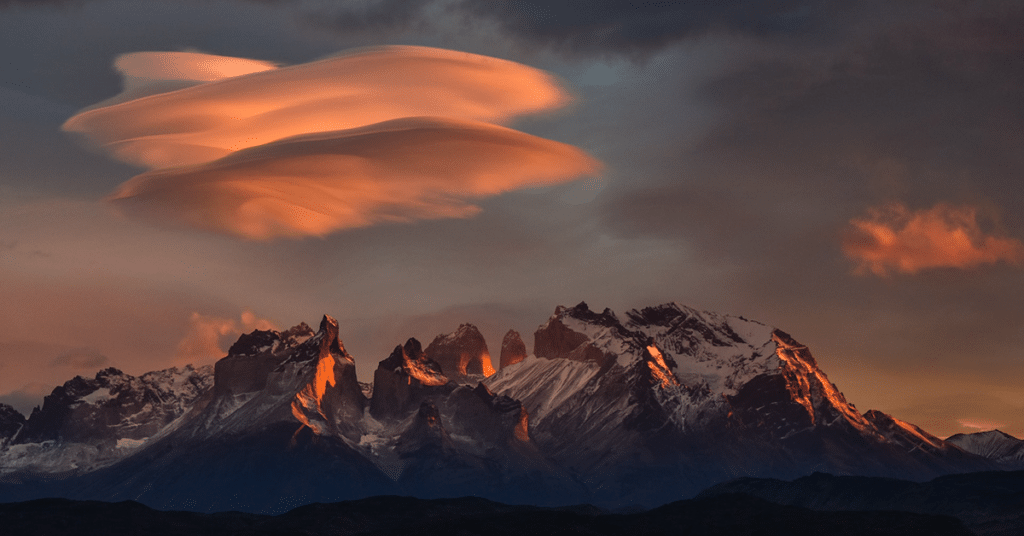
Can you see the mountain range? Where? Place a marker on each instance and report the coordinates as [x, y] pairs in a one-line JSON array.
[[624, 412]]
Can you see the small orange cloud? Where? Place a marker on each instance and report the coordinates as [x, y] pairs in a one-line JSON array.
[[894, 238], [203, 342]]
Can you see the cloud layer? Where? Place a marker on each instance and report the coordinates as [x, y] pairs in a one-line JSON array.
[[207, 121], [893, 238], [397, 171], [377, 135]]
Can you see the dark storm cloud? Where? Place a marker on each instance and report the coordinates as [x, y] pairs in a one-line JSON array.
[[913, 114], [8, 3], [616, 26], [373, 17]]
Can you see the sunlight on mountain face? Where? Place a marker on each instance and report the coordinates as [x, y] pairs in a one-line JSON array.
[[659, 369], [386, 134]]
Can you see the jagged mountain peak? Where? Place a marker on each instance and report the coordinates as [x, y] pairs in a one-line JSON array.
[[654, 403], [325, 343], [581, 311], [410, 360], [676, 372], [405, 378], [462, 354], [413, 348], [996, 435], [260, 341], [11, 422], [88, 423], [254, 343], [330, 344], [513, 349], [995, 445]]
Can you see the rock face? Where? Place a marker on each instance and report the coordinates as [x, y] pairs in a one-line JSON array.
[[115, 405], [89, 423], [11, 422], [290, 442], [995, 445], [405, 379], [462, 354], [426, 435], [331, 400], [513, 349], [667, 384], [497, 419], [557, 339], [253, 357]]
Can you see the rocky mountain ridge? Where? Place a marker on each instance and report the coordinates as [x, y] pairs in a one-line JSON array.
[[646, 408], [995, 445], [89, 423]]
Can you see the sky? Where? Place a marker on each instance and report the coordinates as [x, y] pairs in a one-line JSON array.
[[175, 173]]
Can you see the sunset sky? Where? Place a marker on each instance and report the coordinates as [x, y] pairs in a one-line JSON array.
[[848, 174]]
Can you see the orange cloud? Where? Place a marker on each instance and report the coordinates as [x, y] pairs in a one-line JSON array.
[[151, 73], [893, 238], [203, 342], [246, 103], [397, 171], [386, 134]]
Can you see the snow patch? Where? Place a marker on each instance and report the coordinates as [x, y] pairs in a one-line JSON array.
[[99, 395], [129, 443]]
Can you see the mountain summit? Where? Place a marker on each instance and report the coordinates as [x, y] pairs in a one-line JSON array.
[[640, 409]]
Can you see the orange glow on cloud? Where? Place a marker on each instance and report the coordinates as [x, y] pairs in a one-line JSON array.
[[893, 238], [399, 171], [386, 134], [206, 121], [202, 343]]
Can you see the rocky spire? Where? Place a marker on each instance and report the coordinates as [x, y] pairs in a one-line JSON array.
[[330, 344], [513, 349], [11, 422], [403, 379], [566, 334], [461, 353]]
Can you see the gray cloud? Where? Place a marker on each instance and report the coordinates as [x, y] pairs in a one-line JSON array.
[[372, 17], [82, 359], [613, 26], [920, 115]]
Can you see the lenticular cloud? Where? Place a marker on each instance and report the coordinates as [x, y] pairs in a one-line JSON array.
[[251, 149]]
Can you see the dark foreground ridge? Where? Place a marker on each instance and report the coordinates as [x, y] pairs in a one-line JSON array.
[[989, 502], [728, 514]]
